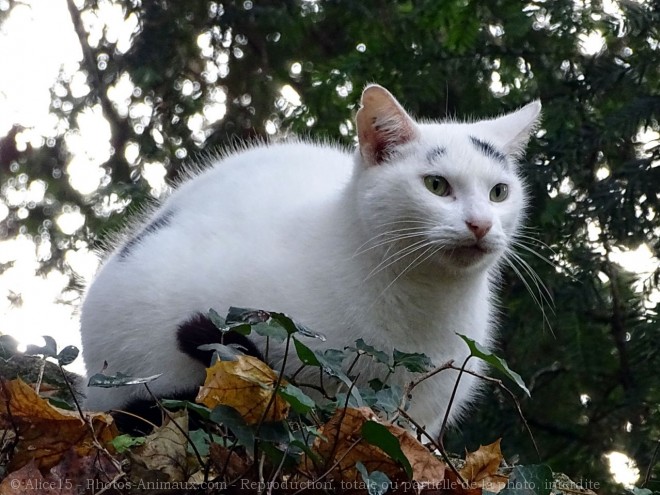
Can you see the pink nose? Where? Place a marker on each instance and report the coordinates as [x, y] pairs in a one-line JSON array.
[[479, 228]]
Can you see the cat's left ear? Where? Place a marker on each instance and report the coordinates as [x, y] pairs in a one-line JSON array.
[[514, 129], [382, 125]]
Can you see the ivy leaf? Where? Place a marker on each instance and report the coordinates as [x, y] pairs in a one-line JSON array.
[[365, 348], [68, 355], [497, 362], [231, 418], [305, 354], [377, 482], [412, 361], [300, 402], [378, 435], [291, 326], [331, 361], [118, 380], [47, 350], [246, 315], [274, 331], [529, 480], [123, 443], [204, 412], [217, 320], [389, 399], [224, 352]]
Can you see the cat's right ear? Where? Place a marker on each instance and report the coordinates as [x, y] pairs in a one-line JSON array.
[[382, 125]]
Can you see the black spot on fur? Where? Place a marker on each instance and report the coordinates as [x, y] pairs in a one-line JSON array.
[[129, 420], [488, 150], [434, 153], [199, 330], [194, 332], [158, 223]]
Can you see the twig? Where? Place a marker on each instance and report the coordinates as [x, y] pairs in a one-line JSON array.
[[341, 420], [435, 444], [413, 383], [277, 471], [121, 411], [334, 465], [451, 401], [513, 397], [350, 368], [42, 367], [647, 477]]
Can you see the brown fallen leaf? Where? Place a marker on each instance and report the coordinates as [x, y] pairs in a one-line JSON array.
[[245, 384], [344, 447], [480, 469], [46, 432], [228, 462], [25, 480], [166, 450]]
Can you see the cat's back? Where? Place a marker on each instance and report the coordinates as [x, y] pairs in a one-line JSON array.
[[288, 172]]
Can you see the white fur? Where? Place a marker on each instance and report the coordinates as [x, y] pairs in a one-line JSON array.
[[301, 228]]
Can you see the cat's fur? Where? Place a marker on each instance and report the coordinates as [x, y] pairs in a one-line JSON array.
[[351, 244]]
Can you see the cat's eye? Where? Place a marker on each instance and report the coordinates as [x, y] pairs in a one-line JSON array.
[[437, 185], [499, 193]]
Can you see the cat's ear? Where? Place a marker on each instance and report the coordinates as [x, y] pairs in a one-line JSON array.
[[382, 125], [514, 129]]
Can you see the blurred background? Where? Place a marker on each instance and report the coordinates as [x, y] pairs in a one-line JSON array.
[[103, 102]]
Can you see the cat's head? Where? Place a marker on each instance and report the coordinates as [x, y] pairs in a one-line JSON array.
[[446, 194]]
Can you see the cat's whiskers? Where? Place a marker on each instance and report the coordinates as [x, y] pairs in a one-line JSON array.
[[388, 261], [395, 235], [427, 247], [542, 296]]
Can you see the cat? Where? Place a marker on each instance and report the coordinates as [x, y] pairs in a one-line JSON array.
[[399, 242]]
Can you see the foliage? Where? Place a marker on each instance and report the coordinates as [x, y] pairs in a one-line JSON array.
[[594, 182], [247, 427]]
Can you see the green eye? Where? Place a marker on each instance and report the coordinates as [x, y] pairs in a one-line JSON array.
[[499, 193], [437, 185]]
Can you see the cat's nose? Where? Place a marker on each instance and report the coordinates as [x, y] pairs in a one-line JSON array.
[[479, 227]]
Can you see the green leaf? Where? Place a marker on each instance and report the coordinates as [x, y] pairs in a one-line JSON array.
[[68, 355], [331, 361], [300, 402], [305, 354], [47, 350], [202, 411], [276, 432], [123, 443], [272, 330], [291, 326], [378, 435], [246, 315], [412, 361], [389, 399], [497, 362], [62, 404], [224, 352], [233, 420], [379, 356], [377, 482], [118, 380], [217, 320], [529, 480]]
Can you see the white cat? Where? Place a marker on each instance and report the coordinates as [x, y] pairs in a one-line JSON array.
[[398, 243]]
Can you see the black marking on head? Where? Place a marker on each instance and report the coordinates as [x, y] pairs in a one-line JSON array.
[[435, 152], [158, 223], [488, 150], [200, 330]]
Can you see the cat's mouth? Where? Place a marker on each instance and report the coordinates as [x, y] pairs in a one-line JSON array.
[[468, 254]]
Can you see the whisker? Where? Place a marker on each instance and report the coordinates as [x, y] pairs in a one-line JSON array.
[[409, 230], [429, 247], [399, 255]]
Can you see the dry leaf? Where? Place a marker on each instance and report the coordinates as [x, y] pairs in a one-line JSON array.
[[25, 480], [480, 469], [246, 385], [228, 462], [166, 449], [345, 447], [46, 432]]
